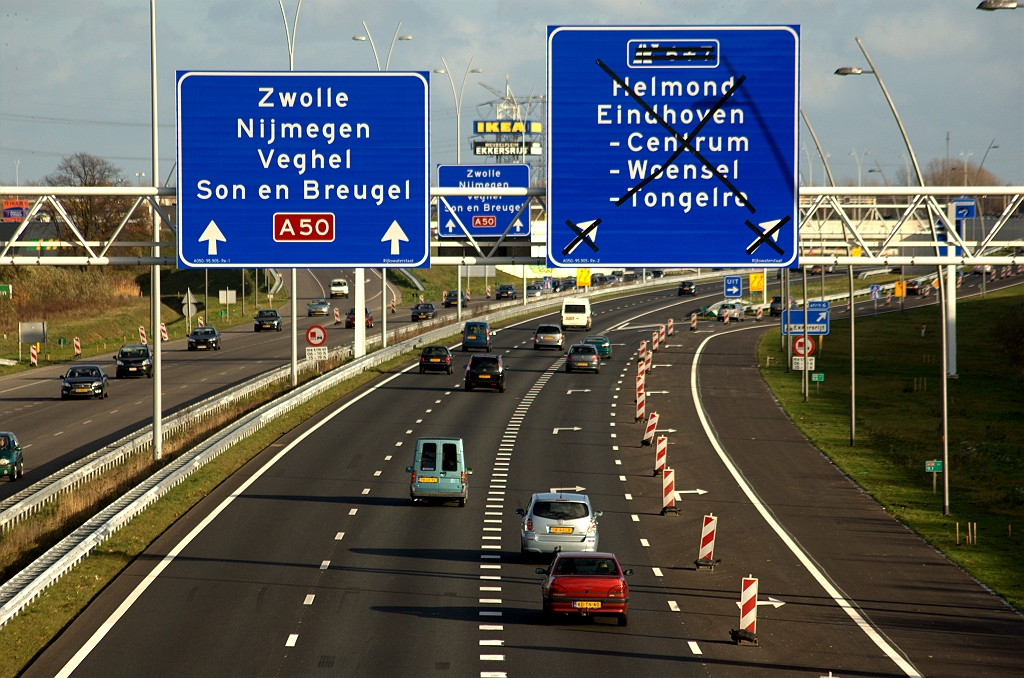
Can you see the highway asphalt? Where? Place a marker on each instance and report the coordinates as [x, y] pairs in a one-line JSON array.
[[312, 560]]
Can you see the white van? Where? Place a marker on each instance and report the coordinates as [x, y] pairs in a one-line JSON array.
[[339, 288], [576, 313]]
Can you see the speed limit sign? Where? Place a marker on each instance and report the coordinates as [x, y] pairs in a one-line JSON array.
[[798, 346], [316, 335]]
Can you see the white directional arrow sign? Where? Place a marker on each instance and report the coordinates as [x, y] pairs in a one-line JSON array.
[[210, 236], [577, 390], [697, 491], [822, 316], [450, 226], [771, 601], [766, 226], [395, 234], [591, 234], [732, 290], [664, 430], [568, 489], [566, 428]]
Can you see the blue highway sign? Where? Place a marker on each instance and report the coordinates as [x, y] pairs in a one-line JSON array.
[[876, 291], [965, 208], [673, 146], [732, 286], [483, 216], [793, 321], [303, 169]]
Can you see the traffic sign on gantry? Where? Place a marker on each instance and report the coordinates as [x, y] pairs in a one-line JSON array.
[[302, 169], [483, 216], [673, 146]]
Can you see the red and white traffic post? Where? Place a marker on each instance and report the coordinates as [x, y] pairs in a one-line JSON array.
[[642, 351], [393, 306], [668, 492], [337, 316], [652, 424], [671, 327], [747, 632], [33, 356], [693, 322], [639, 399], [760, 314], [163, 332], [706, 551], [647, 362], [421, 298], [726, 311], [78, 347], [199, 321], [142, 334], [654, 341], [661, 334], [660, 455]]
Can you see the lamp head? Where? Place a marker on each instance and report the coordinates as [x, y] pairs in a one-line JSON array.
[[405, 37], [440, 70], [849, 70], [360, 38], [993, 5]]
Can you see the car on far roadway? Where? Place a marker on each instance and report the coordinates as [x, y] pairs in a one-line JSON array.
[[267, 319], [687, 287], [735, 312], [506, 292], [204, 338], [350, 318], [534, 290], [485, 371], [435, 359], [548, 336], [602, 343], [476, 334], [424, 311], [631, 278], [582, 357], [12, 463], [918, 288], [569, 284], [339, 288], [657, 273], [84, 381], [133, 360], [318, 307], [558, 522], [451, 296], [775, 308], [585, 584]]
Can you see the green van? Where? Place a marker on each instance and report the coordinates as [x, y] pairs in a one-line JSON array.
[[439, 470]]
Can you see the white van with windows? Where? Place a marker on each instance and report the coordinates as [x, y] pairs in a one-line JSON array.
[[339, 288], [576, 313]]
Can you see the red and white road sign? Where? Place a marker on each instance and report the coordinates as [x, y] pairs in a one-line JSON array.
[[421, 298], [485, 221], [707, 539], [654, 341], [316, 335], [748, 605], [142, 334], [727, 313], [337, 316], [392, 307], [668, 490], [200, 321], [33, 355], [163, 332], [798, 345], [652, 424], [671, 327], [647, 362], [298, 227], [639, 416], [660, 454], [78, 347], [661, 334], [693, 322], [760, 314]]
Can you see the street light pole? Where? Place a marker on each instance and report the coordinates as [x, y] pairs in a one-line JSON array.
[[154, 275], [458, 101], [294, 372]]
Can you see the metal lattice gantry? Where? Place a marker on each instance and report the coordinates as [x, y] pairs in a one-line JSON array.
[[96, 252]]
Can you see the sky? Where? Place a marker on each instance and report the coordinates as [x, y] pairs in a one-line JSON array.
[[75, 76]]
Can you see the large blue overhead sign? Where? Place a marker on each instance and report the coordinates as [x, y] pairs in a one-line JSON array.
[[483, 216], [673, 146], [303, 169]]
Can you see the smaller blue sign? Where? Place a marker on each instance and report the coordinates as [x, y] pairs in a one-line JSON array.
[[483, 216], [819, 305], [965, 208], [876, 291], [818, 324], [732, 287]]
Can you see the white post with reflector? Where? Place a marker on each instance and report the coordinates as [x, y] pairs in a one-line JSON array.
[[654, 341], [652, 424], [671, 327], [726, 311], [142, 334], [337, 316], [661, 334], [693, 322], [33, 356], [647, 362], [660, 455], [639, 399], [706, 551], [163, 332], [747, 632], [668, 492], [78, 347], [760, 314], [199, 321]]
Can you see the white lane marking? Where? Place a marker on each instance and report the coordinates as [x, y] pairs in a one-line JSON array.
[[366, 490], [494, 505], [494, 547], [644, 542], [673, 605], [694, 647], [339, 536], [493, 529], [446, 393], [491, 577], [629, 497], [325, 564], [614, 436], [491, 538], [492, 513], [622, 478], [376, 473], [490, 588], [429, 411], [492, 658], [292, 639], [408, 432], [635, 518], [657, 572], [436, 401], [491, 627], [804, 559], [352, 512], [419, 421], [87, 421], [618, 462], [58, 433], [492, 643], [615, 448], [490, 520], [398, 444], [309, 599], [387, 457], [484, 566], [490, 601]]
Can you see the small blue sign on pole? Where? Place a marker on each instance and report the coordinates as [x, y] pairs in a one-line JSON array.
[[876, 291], [818, 323], [732, 286], [280, 169], [483, 216], [965, 208]]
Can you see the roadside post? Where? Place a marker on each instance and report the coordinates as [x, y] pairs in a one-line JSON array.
[[747, 632], [668, 492], [78, 347], [853, 367], [660, 455], [706, 550], [817, 378], [693, 322], [804, 385]]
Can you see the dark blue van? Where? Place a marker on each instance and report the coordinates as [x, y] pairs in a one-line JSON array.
[[476, 335]]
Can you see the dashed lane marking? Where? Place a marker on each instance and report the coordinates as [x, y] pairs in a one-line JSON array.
[[309, 599], [398, 444], [325, 564], [635, 518], [366, 490], [622, 478], [673, 605], [376, 473], [352, 512], [492, 643], [657, 572], [387, 458], [292, 639], [339, 536], [644, 542], [694, 647], [629, 497]]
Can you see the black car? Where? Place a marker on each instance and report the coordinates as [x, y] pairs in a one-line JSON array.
[[775, 309], [435, 359], [134, 360], [451, 296], [425, 311], [631, 278], [506, 292], [204, 338], [485, 371], [657, 273], [12, 464], [84, 381], [687, 287], [267, 319], [568, 284]]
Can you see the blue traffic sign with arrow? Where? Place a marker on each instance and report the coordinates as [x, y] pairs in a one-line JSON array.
[[818, 323], [483, 216], [732, 287]]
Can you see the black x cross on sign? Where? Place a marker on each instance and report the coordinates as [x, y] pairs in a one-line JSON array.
[[581, 236]]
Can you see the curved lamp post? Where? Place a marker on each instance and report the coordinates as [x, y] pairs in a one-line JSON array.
[[458, 101], [369, 38]]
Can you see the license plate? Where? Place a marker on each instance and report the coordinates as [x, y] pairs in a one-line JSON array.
[[584, 364], [435, 360], [561, 530], [471, 336], [132, 369], [81, 390], [587, 604], [266, 327], [485, 376], [203, 346], [428, 479], [548, 338]]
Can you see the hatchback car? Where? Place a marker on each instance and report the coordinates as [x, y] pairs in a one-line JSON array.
[[549, 336], [134, 360], [318, 307], [506, 292], [558, 521], [485, 371], [435, 359], [534, 290], [204, 338], [775, 308], [918, 287], [439, 470], [687, 287], [735, 312], [586, 584], [424, 311], [12, 463], [583, 357], [350, 318], [84, 381], [602, 343], [476, 335], [451, 296], [267, 319]]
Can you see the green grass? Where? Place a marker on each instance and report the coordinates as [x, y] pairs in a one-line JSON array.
[[897, 427]]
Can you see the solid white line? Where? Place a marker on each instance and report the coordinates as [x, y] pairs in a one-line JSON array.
[[804, 559], [292, 639]]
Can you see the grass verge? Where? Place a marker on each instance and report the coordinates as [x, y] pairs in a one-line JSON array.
[[898, 418]]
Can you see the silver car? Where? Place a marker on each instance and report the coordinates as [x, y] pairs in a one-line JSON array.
[[549, 336], [318, 307], [558, 521]]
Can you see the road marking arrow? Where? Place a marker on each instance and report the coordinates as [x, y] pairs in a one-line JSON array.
[[771, 601], [577, 390], [565, 428], [660, 365], [211, 235], [665, 430], [697, 491], [653, 392], [568, 489], [395, 234]]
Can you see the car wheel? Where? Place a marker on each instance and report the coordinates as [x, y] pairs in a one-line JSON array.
[[624, 619], [105, 395], [464, 349], [149, 375], [278, 328], [463, 500], [597, 371], [501, 387], [536, 347], [63, 396], [450, 371], [422, 370], [568, 369], [255, 329], [21, 468]]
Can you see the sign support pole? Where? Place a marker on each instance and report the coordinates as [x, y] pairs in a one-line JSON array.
[[943, 300], [383, 308], [782, 307], [524, 284], [789, 335], [154, 279], [950, 308], [458, 298], [295, 331], [360, 314], [853, 369], [807, 354]]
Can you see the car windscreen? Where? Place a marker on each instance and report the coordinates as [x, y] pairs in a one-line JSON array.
[[596, 340], [449, 457], [84, 372], [476, 327], [484, 363], [267, 314], [582, 350], [549, 329], [560, 510], [435, 351], [133, 352], [575, 308], [587, 566], [208, 332], [428, 458]]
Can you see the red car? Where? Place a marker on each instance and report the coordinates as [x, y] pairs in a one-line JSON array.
[[350, 319], [586, 584]]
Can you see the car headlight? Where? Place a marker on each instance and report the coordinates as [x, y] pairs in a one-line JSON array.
[[147, 361], [97, 384], [5, 462], [120, 363]]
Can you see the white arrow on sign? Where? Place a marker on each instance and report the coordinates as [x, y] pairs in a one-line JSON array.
[[568, 489], [766, 226], [732, 290], [822, 316], [771, 601], [450, 226], [697, 491], [566, 428], [211, 235], [395, 234], [577, 390]]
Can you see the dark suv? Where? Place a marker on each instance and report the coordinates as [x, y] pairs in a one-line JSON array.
[[134, 360], [486, 371]]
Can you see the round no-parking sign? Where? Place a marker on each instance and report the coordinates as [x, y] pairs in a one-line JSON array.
[[316, 335], [798, 346]]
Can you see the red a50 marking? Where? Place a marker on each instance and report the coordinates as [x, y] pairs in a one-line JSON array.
[[301, 227], [489, 221]]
